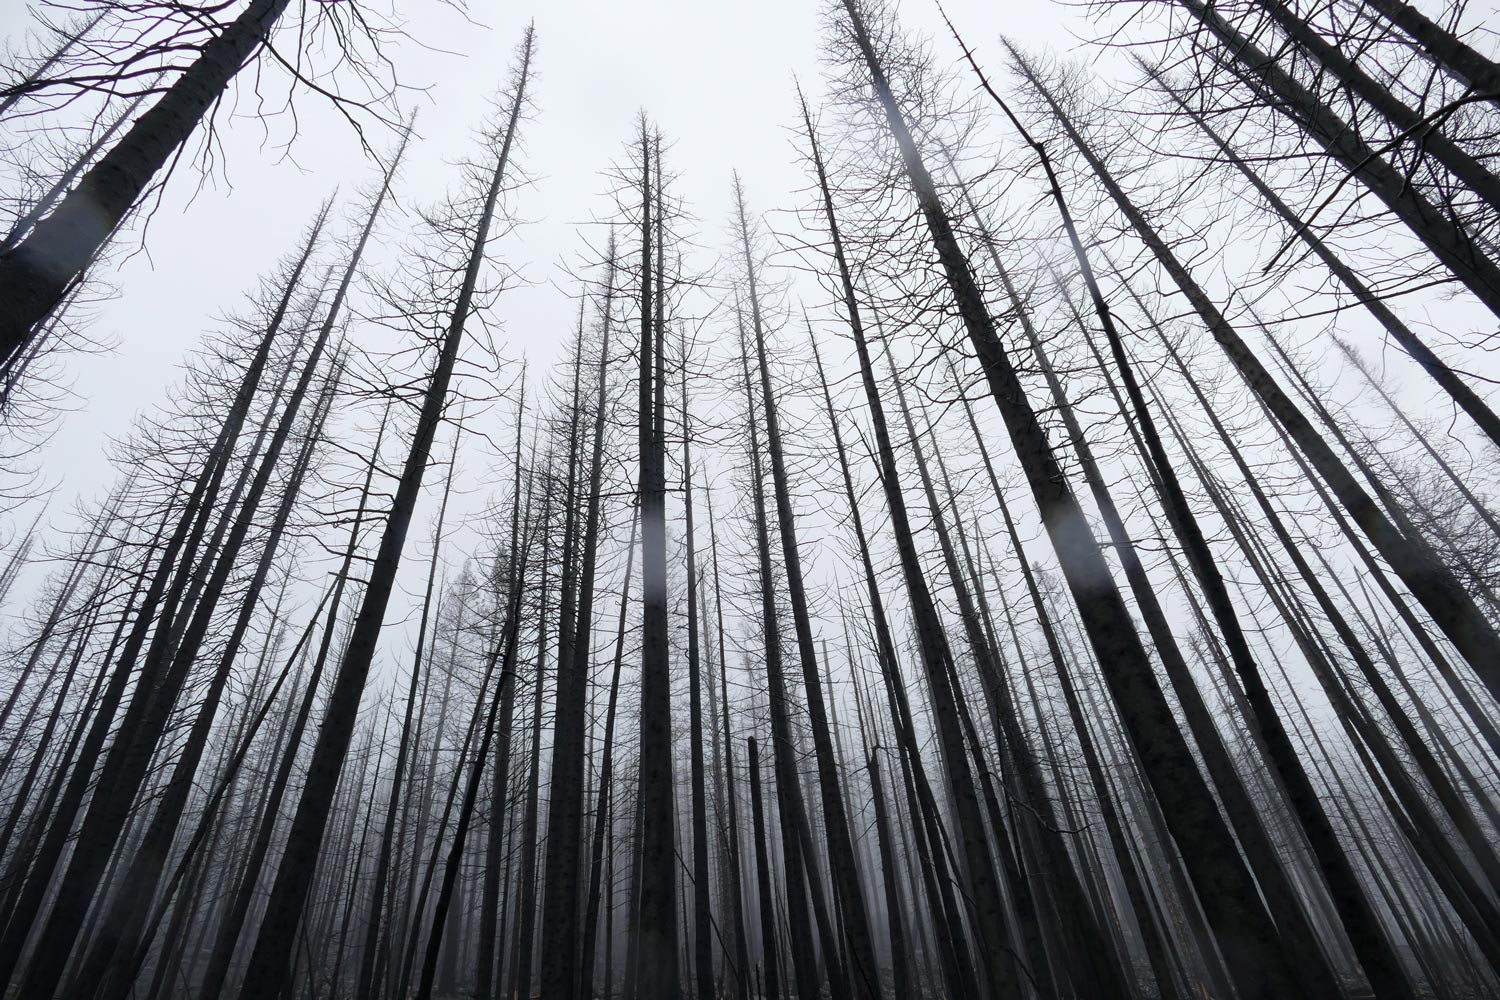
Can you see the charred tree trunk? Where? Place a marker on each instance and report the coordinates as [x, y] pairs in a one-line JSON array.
[[560, 935], [1467, 399], [35, 274], [865, 975], [127, 758], [1481, 74], [140, 881], [770, 964], [1468, 260], [789, 801], [1244, 929], [656, 932], [271, 959], [1412, 558], [984, 886], [491, 932], [603, 817], [731, 795], [703, 954]]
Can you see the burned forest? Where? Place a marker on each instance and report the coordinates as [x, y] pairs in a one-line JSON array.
[[858, 499]]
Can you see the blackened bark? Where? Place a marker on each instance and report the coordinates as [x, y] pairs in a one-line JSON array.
[[37, 272], [491, 934], [984, 882], [703, 955], [789, 801], [1446, 49], [1467, 399], [126, 760], [1411, 557], [270, 961], [864, 974], [1244, 930], [656, 931], [560, 937], [733, 856], [603, 817], [770, 965], [1469, 261]]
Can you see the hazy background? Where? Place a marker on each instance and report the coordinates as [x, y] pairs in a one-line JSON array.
[[717, 78]]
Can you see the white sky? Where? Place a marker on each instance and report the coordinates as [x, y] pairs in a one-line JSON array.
[[717, 77]]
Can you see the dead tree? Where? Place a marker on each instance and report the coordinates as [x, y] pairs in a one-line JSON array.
[[1245, 930], [270, 960]]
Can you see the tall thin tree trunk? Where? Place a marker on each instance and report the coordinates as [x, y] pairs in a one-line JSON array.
[[226, 936], [770, 964], [1412, 558], [703, 954], [1424, 131], [138, 886], [984, 886], [800, 870], [126, 760], [1245, 931], [491, 935], [603, 814], [15, 92], [1468, 260], [36, 273], [864, 974], [525, 942], [270, 960], [900, 974], [731, 795], [560, 937], [1480, 73], [655, 890], [1467, 399], [1376, 954]]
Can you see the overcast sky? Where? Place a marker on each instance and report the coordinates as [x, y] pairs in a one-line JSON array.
[[717, 77]]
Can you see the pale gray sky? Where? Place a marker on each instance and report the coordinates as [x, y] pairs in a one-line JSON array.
[[716, 76]]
